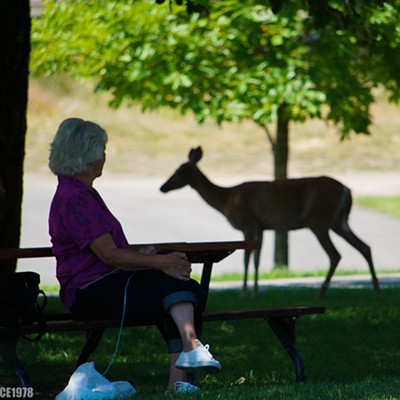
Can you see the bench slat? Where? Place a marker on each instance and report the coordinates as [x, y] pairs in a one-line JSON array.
[[64, 323]]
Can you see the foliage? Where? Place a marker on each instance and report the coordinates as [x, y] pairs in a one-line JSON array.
[[240, 61], [263, 61]]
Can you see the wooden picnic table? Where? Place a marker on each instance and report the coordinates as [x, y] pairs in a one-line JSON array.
[[281, 320]]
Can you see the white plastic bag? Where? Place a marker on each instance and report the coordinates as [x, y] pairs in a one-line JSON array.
[[88, 384]]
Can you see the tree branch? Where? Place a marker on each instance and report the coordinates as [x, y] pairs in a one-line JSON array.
[[269, 135]]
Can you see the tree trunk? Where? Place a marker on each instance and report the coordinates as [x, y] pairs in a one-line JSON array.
[[14, 71], [281, 154]]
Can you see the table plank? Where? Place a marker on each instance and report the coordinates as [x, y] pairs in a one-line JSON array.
[[39, 252]]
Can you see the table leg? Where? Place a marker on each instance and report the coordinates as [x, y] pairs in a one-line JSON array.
[[205, 281], [8, 351], [93, 337], [284, 329]]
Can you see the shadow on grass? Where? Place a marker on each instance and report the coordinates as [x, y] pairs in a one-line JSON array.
[[352, 351]]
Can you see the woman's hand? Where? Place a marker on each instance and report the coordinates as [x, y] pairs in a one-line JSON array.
[[174, 264], [177, 266], [147, 250]]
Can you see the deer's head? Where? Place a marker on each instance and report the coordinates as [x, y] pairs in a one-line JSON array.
[[185, 174]]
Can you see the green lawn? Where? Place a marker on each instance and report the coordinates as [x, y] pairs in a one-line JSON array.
[[389, 205], [351, 352]]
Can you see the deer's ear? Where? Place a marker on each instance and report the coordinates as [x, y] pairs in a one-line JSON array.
[[195, 155]]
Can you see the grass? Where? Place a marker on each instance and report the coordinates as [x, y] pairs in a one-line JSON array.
[[287, 273], [351, 352], [389, 205]]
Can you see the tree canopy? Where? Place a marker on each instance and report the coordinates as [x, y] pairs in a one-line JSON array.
[[270, 61], [240, 60]]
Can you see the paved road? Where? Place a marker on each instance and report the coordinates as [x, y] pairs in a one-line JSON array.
[[150, 216]]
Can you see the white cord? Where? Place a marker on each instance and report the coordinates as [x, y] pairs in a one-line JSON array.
[[120, 328]]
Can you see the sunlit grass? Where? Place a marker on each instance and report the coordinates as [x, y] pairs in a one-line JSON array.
[[389, 205], [287, 274]]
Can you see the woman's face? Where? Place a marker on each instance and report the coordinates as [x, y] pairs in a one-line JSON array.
[[97, 166]]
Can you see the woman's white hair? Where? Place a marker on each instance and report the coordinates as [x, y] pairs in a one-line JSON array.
[[76, 145]]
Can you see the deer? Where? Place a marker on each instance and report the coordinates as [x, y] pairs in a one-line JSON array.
[[318, 203]]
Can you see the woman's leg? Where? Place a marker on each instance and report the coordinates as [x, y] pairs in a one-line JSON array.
[[180, 302], [194, 354], [151, 293], [175, 374], [183, 316]]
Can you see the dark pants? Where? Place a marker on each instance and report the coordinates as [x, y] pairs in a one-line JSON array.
[[149, 294]]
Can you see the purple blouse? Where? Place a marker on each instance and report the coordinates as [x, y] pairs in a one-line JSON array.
[[78, 215]]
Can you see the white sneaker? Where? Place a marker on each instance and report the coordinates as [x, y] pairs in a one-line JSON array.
[[198, 359], [185, 387]]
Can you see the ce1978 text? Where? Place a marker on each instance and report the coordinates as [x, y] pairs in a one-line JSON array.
[[15, 392]]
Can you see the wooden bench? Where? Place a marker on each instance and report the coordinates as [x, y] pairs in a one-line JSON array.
[[281, 320]]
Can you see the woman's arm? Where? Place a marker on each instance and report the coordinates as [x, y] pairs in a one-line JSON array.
[[173, 264]]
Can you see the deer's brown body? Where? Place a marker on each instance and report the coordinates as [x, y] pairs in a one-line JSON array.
[[318, 203]]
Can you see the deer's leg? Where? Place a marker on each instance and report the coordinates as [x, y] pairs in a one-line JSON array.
[[257, 254], [347, 234], [247, 254], [333, 254], [256, 265]]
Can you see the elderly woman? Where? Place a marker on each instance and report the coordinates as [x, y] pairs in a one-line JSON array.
[[97, 269]]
